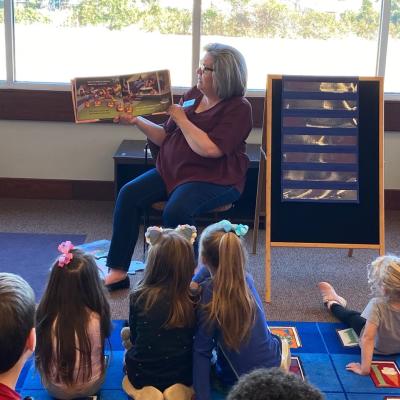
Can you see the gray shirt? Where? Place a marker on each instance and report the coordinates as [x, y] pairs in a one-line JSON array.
[[387, 319]]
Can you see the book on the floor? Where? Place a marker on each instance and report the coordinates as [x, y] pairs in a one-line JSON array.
[[296, 367], [348, 337], [134, 266], [289, 333], [106, 97], [385, 374], [98, 249]]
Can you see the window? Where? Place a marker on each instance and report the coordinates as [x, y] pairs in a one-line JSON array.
[[392, 81], [303, 37], [57, 40], [2, 43]]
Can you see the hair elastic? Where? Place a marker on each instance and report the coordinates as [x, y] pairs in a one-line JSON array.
[[239, 229], [66, 256]]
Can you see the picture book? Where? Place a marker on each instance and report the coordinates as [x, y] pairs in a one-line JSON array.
[[385, 374], [104, 98], [296, 367], [98, 249], [289, 333], [348, 337], [134, 266]]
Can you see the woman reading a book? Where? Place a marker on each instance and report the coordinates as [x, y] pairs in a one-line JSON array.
[[202, 161]]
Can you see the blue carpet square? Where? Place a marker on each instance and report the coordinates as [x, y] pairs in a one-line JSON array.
[[319, 370], [332, 341], [115, 343], [353, 383], [311, 341], [335, 396]]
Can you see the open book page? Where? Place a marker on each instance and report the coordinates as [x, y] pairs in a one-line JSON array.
[[104, 98]]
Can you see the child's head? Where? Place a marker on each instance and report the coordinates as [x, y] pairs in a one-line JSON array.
[[384, 277], [169, 268], [74, 291], [17, 320], [232, 304], [222, 242], [273, 384], [74, 283]]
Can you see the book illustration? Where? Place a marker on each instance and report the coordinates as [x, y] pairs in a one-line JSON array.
[[289, 333], [385, 374], [296, 367], [134, 266], [98, 249], [104, 98], [348, 337]]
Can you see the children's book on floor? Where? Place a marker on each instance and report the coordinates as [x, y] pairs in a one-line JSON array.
[[348, 337], [104, 98], [99, 250]]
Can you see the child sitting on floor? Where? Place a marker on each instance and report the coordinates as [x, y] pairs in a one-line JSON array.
[[73, 322], [378, 326], [17, 331], [161, 319], [230, 316]]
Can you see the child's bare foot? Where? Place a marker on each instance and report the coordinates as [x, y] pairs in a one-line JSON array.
[[329, 296]]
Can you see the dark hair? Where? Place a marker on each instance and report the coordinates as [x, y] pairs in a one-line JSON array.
[[273, 384], [169, 270], [73, 292], [230, 70], [17, 318]]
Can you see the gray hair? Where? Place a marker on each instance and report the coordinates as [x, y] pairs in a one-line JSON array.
[[230, 70], [384, 277]]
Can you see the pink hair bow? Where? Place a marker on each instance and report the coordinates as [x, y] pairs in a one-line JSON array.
[[66, 256]]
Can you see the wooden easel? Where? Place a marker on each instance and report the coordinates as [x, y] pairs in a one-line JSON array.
[[264, 183]]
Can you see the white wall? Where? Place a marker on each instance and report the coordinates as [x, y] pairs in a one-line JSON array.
[[58, 150]]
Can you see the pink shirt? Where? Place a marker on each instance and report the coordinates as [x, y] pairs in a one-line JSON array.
[[228, 125], [97, 352]]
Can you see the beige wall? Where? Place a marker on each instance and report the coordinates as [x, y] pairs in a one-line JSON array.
[[56, 150]]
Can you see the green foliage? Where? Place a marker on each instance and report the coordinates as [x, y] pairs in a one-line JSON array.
[[251, 18], [28, 15], [115, 14]]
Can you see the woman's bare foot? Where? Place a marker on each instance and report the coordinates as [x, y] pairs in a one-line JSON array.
[[115, 275]]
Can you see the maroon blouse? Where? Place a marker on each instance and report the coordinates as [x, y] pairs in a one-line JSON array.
[[228, 124]]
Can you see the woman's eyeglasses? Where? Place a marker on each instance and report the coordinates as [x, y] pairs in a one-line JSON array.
[[204, 68]]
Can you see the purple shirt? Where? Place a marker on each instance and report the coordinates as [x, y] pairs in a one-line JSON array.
[[228, 125]]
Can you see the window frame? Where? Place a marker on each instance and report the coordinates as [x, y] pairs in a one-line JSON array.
[[52, 101]]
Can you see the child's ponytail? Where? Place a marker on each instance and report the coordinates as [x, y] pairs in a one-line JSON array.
[[232, 304]]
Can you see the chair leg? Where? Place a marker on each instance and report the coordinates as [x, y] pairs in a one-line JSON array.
[[259, 196], [350, 253], [145, 226]]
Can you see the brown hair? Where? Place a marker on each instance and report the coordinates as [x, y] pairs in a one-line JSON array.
[[169, 270], [232, 305], [72, 293]]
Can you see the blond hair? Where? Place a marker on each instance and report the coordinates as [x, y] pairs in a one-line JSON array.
[[384, 277], [232, 304]]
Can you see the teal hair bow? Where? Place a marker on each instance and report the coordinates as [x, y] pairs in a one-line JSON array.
[[239, 229]]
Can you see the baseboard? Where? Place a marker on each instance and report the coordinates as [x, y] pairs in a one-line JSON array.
[[57, 189]]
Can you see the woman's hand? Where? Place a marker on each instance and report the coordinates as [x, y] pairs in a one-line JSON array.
[[177, 113], [125, 119], [356, 368]]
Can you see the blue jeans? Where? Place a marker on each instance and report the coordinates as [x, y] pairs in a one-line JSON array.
[[185, 203]]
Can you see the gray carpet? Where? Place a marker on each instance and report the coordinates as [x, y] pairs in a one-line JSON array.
[[295, 272]]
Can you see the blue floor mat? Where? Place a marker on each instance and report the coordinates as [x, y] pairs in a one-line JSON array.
[[322, 357]]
